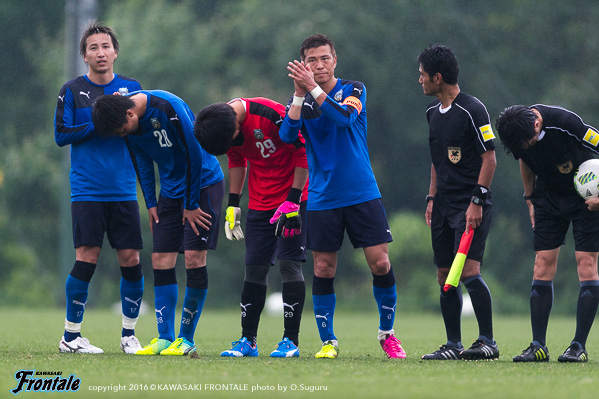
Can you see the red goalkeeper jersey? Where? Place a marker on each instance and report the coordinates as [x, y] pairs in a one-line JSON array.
[[271, 162]]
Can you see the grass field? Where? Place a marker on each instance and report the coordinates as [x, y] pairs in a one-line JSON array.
[[30, 342]]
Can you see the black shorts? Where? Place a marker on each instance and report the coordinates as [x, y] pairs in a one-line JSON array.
[[553, 214], [170, 235], [118, 219], [261, 244], [448, 223], [366, 225]]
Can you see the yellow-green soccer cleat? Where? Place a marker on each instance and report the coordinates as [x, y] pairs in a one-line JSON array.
[[179, 347], [329, 350], [154, 347]]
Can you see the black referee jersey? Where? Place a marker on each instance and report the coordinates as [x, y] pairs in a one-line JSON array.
[[458, 135], [564, 143]]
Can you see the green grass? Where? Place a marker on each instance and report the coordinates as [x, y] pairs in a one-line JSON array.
[[30, 341]]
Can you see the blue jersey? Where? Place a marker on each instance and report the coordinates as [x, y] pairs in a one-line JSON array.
[[335, 134], [101, 168], [165, 136]]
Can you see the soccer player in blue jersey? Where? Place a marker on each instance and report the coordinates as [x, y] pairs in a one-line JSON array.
[[462, 149], [103, 192], [550, 143], [158, 128], [344, 195]]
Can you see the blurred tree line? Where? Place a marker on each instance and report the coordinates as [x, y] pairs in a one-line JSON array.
[[514, 51]]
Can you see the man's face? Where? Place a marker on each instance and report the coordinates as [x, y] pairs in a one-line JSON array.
[[100, 53], [130, 126], [322, 63], [429, 87], [537, 127]]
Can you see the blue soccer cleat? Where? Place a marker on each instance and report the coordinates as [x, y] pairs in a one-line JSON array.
[[285, 348], [241, 348]]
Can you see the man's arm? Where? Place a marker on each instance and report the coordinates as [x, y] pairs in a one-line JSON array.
[[65, 131], [236, 180], [300, 177], [432, 190], [474, 213], [528, 180]]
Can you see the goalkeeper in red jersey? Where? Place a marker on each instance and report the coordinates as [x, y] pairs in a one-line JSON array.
[[247, 130]]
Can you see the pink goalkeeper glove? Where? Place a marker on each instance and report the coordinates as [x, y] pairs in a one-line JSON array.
[[288, 220]]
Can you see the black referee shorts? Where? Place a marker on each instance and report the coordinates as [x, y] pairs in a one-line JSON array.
[[448, 223], [553, 215]]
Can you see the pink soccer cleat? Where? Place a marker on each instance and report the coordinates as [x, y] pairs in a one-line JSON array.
[[392, 347]]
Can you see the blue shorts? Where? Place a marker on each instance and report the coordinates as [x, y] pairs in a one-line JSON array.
[[261, 244], [170, 235], [553, 214], [118, 219], [448, 223], [366, 225]]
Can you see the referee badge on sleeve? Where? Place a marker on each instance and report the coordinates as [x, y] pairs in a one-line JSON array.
[[454, 154], [487, 132]]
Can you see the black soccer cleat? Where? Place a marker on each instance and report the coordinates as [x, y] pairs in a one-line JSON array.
[[534, 353], [444, 353], [574, 354], [480, 350]]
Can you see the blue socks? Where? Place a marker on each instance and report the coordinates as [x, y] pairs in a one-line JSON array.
[[323, 297], [132, 290], [76, 291]]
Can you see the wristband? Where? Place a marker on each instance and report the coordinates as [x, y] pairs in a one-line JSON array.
[[295, 195], [527, 197], [317, 91], [234, 200], [481, 192], [429, 198], [297, 101]]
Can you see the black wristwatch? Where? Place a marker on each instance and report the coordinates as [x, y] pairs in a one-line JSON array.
[[476, 201], [429, 198]]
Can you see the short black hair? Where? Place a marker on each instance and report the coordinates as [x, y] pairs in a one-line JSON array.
[[515, 126], [109, 113], [214, 128], [314, 41], [439, 58], [94, 28]]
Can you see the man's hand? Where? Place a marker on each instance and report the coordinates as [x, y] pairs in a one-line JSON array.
[[593, 204], [233, 223], [302, 76], [288, 220], [474, 215], [197, 217], [153, 216]]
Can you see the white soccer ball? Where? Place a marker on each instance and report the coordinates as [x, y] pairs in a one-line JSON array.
[[586, 179]]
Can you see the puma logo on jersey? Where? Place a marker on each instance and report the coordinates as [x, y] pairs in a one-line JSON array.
[[85, 94], [61, 98], [311, 105]]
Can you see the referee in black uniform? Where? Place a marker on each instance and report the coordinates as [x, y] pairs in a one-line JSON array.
[[550, 143], [462, 149]]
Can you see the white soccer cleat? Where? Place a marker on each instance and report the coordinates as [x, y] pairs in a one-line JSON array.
[[78, 345], [130, 344]]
